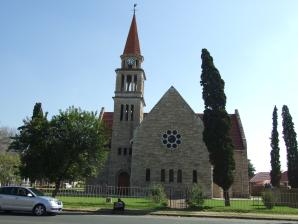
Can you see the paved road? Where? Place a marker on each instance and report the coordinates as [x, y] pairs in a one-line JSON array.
[[76, 218]]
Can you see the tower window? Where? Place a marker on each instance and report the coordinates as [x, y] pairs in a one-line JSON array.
[[128, 83], [147, 174], [126, 112], [162, 175], [135, 81], [130, 151], [122, 83], [171, 175], [194, 176], [119, 151], [121, 112], [131, 112], [179, 176], [124, 151]]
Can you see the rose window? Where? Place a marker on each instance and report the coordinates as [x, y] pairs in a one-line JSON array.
[[171, 139]]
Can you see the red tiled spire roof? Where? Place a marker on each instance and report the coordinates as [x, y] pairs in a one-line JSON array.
[[132, 45]]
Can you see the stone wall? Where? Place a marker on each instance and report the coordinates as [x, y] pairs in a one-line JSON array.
[[149, 152]]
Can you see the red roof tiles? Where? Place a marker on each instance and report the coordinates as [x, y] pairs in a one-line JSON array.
[[132, 45], [108, 119], [261, 177]]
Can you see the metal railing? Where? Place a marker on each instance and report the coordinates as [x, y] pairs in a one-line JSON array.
[[283, 200]]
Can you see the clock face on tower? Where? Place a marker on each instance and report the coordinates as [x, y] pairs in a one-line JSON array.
[[130, 61]]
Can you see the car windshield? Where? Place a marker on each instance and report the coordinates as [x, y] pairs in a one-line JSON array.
[[37, 192]]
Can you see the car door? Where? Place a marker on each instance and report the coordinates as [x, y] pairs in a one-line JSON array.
[[2, 198], [8, 198], [24, 200]]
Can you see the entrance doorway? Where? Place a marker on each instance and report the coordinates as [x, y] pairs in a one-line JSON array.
[[123, 179], [123, 183]]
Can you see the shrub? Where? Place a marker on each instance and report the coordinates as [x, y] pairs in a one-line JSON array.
[[158, 195], [268, 199], [196, 198]]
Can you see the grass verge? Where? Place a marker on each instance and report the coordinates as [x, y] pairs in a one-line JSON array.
[[211, 205]]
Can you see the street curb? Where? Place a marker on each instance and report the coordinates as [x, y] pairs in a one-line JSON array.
[[250, 216], [236, 216]]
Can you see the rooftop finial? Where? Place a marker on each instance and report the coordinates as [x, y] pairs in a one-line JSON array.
[[134, 8]]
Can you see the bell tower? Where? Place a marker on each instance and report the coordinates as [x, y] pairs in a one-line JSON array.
[[128, 107]]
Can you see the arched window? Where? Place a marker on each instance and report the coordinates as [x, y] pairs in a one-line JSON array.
[[131, 112], [171, 175], [147, 174], [119, 151], [121, 112], [194, 176], [162, 175], [179, 176]]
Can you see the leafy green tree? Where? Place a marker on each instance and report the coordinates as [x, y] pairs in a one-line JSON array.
[[9, 168], [217, 126], [5, 138], [71, 146], [76, 146], [196, 197], [275, 172], [289, 135], [251, 169]]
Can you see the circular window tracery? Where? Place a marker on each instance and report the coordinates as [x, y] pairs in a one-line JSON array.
[[171, 139]]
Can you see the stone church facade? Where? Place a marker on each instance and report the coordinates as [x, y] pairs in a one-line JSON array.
[[164, 146]]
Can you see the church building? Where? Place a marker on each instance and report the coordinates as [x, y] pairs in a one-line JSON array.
[[164, 146]]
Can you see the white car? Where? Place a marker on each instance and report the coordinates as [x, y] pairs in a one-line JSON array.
[[28, 199]]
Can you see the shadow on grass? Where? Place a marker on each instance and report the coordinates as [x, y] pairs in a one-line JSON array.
[[103, 211]]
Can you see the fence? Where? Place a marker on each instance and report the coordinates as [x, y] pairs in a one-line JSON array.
[[99, 191], [283, 200]]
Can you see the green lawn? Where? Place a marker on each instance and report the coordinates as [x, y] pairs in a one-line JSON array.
[[245, 206], [213, 205], [93, 202]]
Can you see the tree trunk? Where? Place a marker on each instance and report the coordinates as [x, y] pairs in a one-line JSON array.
[[57, 187], [227, 198]]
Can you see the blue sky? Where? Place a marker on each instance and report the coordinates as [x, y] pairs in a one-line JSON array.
[[64, 52]]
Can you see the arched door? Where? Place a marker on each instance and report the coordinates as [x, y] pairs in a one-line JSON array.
[[123, 179]]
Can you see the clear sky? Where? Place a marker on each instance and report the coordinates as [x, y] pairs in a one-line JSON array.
[[64, 52]]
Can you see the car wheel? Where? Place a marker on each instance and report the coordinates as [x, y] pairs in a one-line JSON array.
[[39, 210]]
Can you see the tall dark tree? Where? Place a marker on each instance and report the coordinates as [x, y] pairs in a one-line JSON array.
[[275, 172], [30, 143], [289, 135], [217, 126]]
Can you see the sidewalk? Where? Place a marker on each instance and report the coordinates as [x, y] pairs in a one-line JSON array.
[[234, 215]]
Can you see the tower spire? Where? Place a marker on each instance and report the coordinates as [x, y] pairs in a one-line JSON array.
[[132, 45]]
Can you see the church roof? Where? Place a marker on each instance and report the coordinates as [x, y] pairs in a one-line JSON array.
[[235, 132], [132, 45]]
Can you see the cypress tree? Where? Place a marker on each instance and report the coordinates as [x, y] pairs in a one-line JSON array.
[[275, 163], [289, 135], [37, 111], [217, 126]]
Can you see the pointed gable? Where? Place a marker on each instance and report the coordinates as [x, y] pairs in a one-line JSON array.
[[132, 45], [172, 100], [171, 111]]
